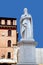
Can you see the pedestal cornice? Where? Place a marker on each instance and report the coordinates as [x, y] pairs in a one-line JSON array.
[[25, 42]]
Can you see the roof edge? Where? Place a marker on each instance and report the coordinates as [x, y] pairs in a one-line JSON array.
[[8, 18]]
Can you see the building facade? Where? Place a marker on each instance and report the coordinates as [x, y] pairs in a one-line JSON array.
[[8, 40], [39, 55]]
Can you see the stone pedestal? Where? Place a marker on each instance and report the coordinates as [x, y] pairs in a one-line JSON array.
[[26, 54]]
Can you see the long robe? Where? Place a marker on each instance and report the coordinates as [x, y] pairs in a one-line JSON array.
[[26, 29]]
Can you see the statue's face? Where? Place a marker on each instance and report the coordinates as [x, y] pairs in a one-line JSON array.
[[25, 10]]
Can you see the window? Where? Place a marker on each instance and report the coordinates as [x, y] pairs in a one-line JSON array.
[[3, 22], [9, 43], [9, 55], [9, 32], [8, 22]]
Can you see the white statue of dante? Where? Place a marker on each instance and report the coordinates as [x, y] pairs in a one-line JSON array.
[[26, 26]]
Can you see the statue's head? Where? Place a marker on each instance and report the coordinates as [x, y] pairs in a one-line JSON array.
[[25, 11]]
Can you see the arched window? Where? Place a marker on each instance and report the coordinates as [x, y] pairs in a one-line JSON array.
[[9, 43], [9, 32], [9, 55]]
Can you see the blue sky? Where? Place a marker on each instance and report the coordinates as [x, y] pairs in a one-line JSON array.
[[14, 8]]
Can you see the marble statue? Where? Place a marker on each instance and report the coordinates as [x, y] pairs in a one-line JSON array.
[[26, 53], [27, 44], [26, 26]]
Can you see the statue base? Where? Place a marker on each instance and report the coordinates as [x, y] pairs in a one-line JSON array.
[[27, 40], [26, 53]]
